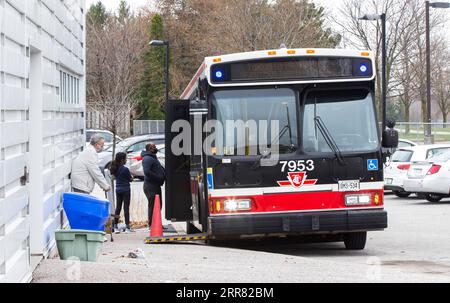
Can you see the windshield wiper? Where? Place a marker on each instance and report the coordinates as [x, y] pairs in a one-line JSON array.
[[329, 139], [269, 152], [289, 126], [285, 129]]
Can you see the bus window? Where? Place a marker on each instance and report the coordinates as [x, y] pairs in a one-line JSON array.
[[349, 116], [256, 105]]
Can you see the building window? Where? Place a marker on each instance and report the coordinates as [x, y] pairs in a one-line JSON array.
[[69, 88]]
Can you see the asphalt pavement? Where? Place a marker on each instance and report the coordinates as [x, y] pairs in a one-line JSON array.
[[413, 249]]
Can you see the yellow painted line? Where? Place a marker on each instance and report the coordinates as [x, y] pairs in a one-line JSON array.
[[175, 239]]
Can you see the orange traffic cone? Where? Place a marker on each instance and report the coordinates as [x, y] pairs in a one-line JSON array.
[[157, 229]]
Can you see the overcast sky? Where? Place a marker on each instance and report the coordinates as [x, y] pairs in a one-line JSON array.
[[113, 4], [331, 6]]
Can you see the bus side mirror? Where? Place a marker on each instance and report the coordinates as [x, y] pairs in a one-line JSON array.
[[390, 135], [390, 138], [198, 107]]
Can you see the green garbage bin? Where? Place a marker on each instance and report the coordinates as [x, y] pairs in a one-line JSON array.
[[82, 244]]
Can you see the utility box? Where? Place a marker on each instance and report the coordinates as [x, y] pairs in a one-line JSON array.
[[81, 244]]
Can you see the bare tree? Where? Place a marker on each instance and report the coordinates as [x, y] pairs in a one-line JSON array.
[[114, 67], [405, 44], [368, 35], [441, 81]]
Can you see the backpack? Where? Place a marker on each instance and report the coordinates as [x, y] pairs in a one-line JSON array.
[[163, 174]]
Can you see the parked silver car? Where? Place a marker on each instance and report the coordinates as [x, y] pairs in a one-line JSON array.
[[131, 146]]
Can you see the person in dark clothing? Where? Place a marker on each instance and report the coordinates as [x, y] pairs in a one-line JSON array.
[[155, 177], [123, 189]]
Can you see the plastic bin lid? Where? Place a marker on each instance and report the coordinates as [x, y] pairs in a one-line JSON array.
[[79, 231], [69, 235], [83, 197]]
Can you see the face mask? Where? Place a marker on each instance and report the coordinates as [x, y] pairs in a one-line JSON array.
[[100, 149]]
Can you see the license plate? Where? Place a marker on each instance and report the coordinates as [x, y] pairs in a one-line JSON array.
[[349, 185], [417, 172], [389, 181]]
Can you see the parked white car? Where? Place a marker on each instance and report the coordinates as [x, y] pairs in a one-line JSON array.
[[396, 169], [135, 162], [107, 135], [131, 146], [406, 143], [431, 177]]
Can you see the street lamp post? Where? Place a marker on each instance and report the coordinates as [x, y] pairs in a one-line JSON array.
[[428, 137], [167, 64], [382, 17]]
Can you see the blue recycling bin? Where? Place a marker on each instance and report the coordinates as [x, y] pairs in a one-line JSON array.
[[86, 212]]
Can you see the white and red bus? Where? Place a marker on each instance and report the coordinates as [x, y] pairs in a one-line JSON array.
[[327, 180]]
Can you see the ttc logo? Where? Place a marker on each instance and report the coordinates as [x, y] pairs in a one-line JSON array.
[[297, 179]]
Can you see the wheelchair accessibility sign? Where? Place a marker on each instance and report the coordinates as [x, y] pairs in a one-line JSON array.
[[372, 165]]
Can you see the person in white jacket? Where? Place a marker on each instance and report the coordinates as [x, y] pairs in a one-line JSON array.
[[85, 170]]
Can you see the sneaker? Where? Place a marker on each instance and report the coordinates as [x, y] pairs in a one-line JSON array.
[[116, 229], [129, 230]]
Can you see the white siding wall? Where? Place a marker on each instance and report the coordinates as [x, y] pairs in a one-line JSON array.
[[39, 130]]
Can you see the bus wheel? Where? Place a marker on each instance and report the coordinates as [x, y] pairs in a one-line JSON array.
[[402, 194], [433, 197], [355, 241]]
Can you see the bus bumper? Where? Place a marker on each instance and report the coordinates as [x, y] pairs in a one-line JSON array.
[[297, 223]]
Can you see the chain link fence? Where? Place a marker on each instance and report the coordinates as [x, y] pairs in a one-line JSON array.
[[416, 131], [144, 127]]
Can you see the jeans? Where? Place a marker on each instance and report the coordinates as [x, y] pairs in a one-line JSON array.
[[125, 200], [151, 195]]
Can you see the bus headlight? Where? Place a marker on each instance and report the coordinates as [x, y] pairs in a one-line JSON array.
[[355, 200], [237, 205]]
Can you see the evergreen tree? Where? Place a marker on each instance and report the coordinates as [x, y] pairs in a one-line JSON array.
[[123, 11], [152, 82], [97, 14]]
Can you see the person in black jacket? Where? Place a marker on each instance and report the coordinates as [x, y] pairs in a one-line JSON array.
[[155, 177], [123, 189]]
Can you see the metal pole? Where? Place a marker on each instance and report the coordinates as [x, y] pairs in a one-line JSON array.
[[428, 71], [167, 70], [384, 72]]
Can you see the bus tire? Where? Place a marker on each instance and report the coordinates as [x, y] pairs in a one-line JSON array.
[[433, 197], [355, 241], [402, 194]]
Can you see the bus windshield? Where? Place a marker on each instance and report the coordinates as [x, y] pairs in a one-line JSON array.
[[347, 114], [257, 105]]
